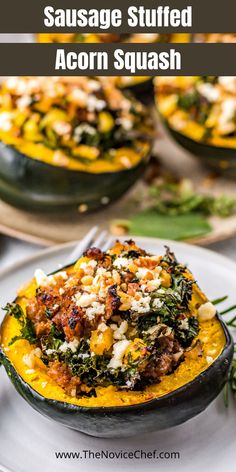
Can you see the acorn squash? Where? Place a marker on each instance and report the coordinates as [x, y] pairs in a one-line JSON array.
[[147, 353], [200, 114], [220, 159], [67, 142]]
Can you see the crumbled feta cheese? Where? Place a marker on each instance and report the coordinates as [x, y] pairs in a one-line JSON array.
[[121, 262], [184, 324], [85, 300], [102, 327], [92, 263], [96, 308], [78, 96], [121, 330], [83, 355], [50, 351], [94, 85], [83, 128], [142, 305], [41, 278], [229, 83], [207, 311], [62, 127], [72, 345], [5, 121], [12, 83], [126, 123], [100, 272], [142, 272], [118, 352], [63, 274], [209, 91], [88, 267], [23, 102], [156, 303], [129, 383], [228, 111], [113, 326], [153, 285], [95, 104], [143, 287]]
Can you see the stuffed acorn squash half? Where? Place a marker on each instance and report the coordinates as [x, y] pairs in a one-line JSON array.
[[66, 142], [120, 343], [200, 113]]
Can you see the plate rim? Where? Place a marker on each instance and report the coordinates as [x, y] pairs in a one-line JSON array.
[[165, 242]]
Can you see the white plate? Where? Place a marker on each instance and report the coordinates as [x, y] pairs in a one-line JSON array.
[[28, 441]]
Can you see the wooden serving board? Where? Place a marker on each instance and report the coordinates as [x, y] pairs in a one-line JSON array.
[[48, 229]]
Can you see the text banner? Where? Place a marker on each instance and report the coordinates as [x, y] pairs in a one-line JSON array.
[[117, 59], [28, 16]]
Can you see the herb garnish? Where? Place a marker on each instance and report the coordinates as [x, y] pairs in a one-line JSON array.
[[175, 210], [27, 330]]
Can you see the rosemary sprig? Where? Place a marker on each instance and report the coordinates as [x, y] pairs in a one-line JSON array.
[[228, 310], [219, 300], [232, 322]]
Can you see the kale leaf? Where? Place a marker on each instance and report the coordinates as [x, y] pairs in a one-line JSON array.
[[27, 331], [186, 336]]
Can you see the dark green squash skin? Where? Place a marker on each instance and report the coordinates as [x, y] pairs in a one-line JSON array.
[[115, 422], [221, 160], [34, 185], [143, 91]]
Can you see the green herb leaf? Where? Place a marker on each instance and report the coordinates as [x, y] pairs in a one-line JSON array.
[[13, 309], [27, 329], [178, 198], [186, 226], [27, 332], [228, 310], [217, 301]]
